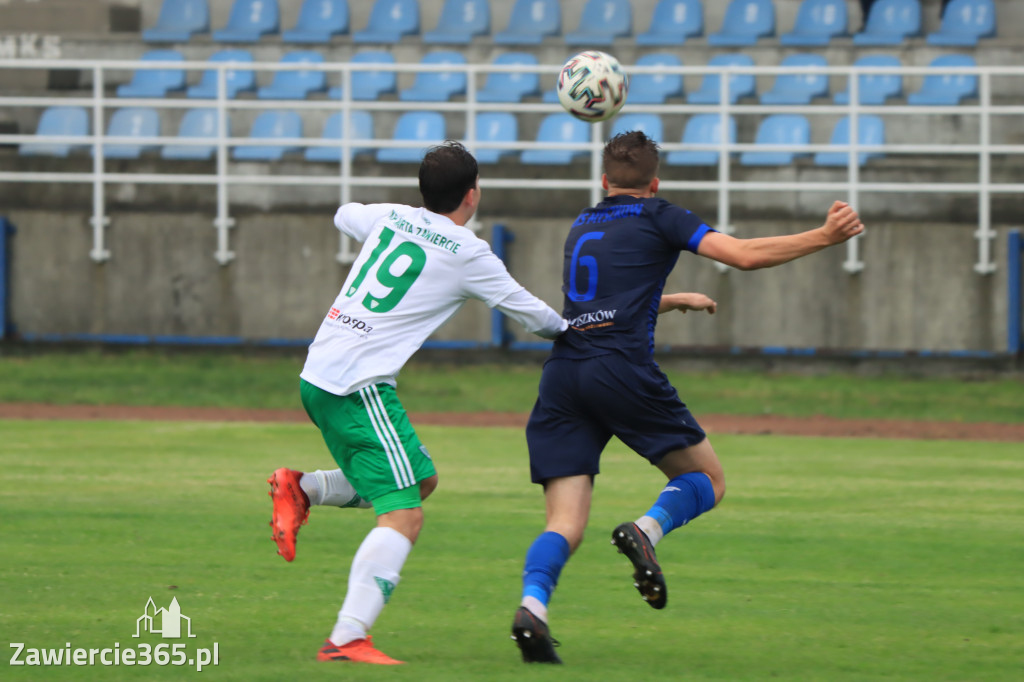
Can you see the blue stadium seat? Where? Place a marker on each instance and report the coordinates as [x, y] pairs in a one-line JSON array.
[[236, 80], [702, 129], [673, 22], [745, 21], [318, 22], [460, 21], [511, 87], [890, 22], [389, 21], [369, 85], [789, 129], [601, 22], [425, 127], [655, 88], [558, 128], [531, 21], [179, 20], [875, 88], [437, 86], [155, 82], [648, 124], [131, 122], [297, 84], [870, 131], [195, 123], [740, 84], [71, 121], [249, 19], [947, 88], [794, 88], [818, 22], [494, 126], [361, 123], [964, 22], [270, 126]]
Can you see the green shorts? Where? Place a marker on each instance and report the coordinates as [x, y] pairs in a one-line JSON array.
[[371, 439]]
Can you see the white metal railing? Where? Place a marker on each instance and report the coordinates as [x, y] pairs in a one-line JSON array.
[[224, 175]]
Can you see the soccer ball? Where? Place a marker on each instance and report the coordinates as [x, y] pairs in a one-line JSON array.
[[592, 86]]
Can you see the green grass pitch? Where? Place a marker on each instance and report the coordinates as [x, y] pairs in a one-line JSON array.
[[830, 559]]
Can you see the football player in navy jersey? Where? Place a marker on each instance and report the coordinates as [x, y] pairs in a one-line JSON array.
[[601, 379]]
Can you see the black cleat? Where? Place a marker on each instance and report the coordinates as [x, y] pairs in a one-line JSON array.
[[533, 638], [635, 544]]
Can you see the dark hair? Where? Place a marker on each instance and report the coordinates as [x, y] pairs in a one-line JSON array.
[[631, 160], [448, 171]]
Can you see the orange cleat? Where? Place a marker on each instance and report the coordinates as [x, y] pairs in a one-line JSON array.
[[358, 651], [291, 509]]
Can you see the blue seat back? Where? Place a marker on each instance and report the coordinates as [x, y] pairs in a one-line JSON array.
[[323, 16], [256, 16], [535, 17], [271, 125], [470, 17], [361, 125], [235, 80], [371, 84], [970, 18], [822, 17], [131, 122], [749, 18], [58, 121], [607, 17], [779, 129], [648, 124], [189, 16], [510, 87], [894, 17], [702, 129], [297, 83], [949, 88], [875, 88], [401, 16], [426, 127], [438, 85], [494, 126], [870, 131], [678, 18], [195, 123], [558, 128], [740, 84], [802, 87], [655, 88], [155, 82]]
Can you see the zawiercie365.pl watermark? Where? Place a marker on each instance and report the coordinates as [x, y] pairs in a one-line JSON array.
[[169, 623]]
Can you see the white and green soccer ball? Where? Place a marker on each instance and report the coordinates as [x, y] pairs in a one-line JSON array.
[[592, 86]]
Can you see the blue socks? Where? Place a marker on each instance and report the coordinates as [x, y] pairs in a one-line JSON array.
[[544, 561], [684, 498]]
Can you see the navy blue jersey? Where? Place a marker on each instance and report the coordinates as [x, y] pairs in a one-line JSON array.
[[617, 257]]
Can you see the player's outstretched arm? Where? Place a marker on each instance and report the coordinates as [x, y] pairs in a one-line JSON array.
[[841, 223], [684, 301]]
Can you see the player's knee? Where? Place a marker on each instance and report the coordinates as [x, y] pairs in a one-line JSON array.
[[427, 486]]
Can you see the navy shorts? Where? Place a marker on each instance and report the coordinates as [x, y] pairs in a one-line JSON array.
[[581, 404]]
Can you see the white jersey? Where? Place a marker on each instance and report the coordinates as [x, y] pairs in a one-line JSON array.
[[415, 270]]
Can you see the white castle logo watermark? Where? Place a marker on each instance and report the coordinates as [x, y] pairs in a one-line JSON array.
[[170, 620]]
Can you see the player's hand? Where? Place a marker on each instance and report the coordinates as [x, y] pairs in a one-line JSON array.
[[687, 301], [842, 223]]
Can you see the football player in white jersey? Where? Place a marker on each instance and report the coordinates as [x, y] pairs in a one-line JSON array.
[[415, 270]]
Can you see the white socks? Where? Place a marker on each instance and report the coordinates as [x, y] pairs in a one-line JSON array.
[[651, 528], [375, 572], [332, 489], [536, 607]]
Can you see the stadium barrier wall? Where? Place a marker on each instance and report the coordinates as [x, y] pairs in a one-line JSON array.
[[1014, 326]]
